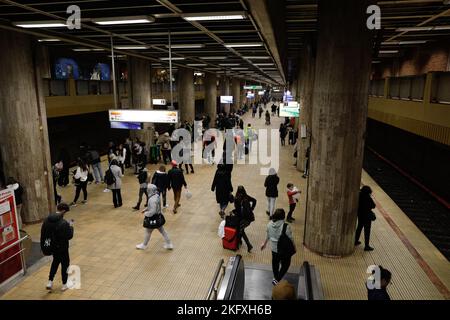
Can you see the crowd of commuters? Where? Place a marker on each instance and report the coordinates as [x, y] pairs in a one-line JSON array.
[[134, 154]]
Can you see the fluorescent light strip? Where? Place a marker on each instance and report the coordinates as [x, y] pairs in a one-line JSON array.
[[408, 29], [123, 20], [388, 51], [131, 47], [404, 42], [212, 16], [243, 45], [196, 64], [48, 40], [173, 58], [255, 57], [213, 58], [212, 68], [228, 64], [186, 46], [40, 24], [87, 49], [239, 68], [263, 64]]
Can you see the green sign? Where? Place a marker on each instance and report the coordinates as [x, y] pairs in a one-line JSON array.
[[255, 87]]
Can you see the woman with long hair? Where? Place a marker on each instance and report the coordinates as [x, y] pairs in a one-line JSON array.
[[244, 206], [81, 181]]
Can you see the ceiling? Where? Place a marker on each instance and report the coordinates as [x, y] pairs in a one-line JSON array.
[[213, 35], [300, 21]]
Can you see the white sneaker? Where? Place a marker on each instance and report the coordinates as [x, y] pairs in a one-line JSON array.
[[141, 246], [49, 285], [106, 190], [64, 287], [166, 206], [168, 246]]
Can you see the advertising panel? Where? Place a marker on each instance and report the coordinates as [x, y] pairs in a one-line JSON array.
[[291, 109], [226, 99]]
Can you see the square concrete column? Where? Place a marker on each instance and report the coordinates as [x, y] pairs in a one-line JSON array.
[[24, 142], [339, 113], [211, 96], [140, 94], [236, 90], [225, 91], [186, 94]]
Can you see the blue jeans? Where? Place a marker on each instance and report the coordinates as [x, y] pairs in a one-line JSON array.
[[271, 205], [98, 173]]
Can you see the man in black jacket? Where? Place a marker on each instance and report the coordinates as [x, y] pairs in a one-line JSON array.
[[62, 232], [176, 182], [381, 292]]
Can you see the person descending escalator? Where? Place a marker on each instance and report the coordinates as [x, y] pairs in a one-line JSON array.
[[244, 206]]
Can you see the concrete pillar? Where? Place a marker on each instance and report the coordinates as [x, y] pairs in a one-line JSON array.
[[186, 94], [339, 113], [225, 91], [211, 96], [23, 125], [305, 94], [140, 94], [236, 91]]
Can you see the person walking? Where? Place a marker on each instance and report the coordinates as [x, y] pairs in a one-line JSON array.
[[244, 206], [161, 180], [56, 232], [223, 188], [291, 192], [260, 110], [176, 182], [117, 184], [121, 157], [154, 208], [96, 164], [283, 133], [365, 216], [142, 178], [271, 185], [185, 154], [166, 147], [81, 181], [267, 117], [275, 228]]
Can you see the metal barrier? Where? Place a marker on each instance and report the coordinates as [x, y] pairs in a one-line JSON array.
[[21, 251]]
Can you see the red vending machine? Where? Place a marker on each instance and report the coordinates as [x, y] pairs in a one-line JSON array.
[[11, 263]]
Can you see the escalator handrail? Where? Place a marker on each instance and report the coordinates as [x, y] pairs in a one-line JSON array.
[[216, 276], [233, 276], [308, 282]]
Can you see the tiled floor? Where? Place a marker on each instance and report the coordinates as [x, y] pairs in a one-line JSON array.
[[105, 239]]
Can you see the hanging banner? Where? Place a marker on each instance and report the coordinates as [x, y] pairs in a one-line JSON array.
[[10, 257], [152, 116]]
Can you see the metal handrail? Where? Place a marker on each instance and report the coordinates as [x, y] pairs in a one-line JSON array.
[[14, 244], [308, 283], [216, 276], [9, 258]]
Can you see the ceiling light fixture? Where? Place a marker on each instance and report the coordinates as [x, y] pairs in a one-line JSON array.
[[48, 40], [87, 49], [186, 46], [173, 58], [40, 24], [263, 64], [388, 51], [214, 16], [431, 28], [243, 45], [196, 64], [123, 20], [228, 64], [404, 42], [255, 57], [131, 47], [213, 58]]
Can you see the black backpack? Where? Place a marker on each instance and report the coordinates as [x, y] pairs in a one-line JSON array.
[[109, 177], [285, 248], [142, 177], [48, 239]]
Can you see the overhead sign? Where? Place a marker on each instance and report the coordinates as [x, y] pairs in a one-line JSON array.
[[253, 87], [290, 109], [153, 116], [287, 96], [261, 93], [159, 102], [250, 95], [226, 99]]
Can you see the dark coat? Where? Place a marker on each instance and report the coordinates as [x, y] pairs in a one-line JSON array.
[[176, 179], [161, 180], [222, 185], [378, 294], [244, 208], [271, 184], [63, 231], [365, 207]]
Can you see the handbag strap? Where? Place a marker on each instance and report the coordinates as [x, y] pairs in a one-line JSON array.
[[284, 229]]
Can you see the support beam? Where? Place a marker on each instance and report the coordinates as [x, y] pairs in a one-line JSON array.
[[186, 94], [211, 96], [339, 113], [236, 91]]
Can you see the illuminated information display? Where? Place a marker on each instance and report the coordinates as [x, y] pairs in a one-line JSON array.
[[290, 109], [153, 116]]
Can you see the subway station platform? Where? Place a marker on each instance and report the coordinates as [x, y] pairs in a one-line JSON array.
[[111, 268]]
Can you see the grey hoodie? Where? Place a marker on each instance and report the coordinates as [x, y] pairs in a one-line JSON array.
[[154, 202], [274, 230]]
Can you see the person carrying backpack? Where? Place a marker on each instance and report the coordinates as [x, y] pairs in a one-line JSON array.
[[142, 178], [161, 180], [282, 242], [55, 235]]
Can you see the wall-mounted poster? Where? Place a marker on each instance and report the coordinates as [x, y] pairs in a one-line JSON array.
[[10, 259]]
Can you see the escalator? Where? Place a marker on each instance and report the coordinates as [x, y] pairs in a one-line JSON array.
[[238, 281]]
